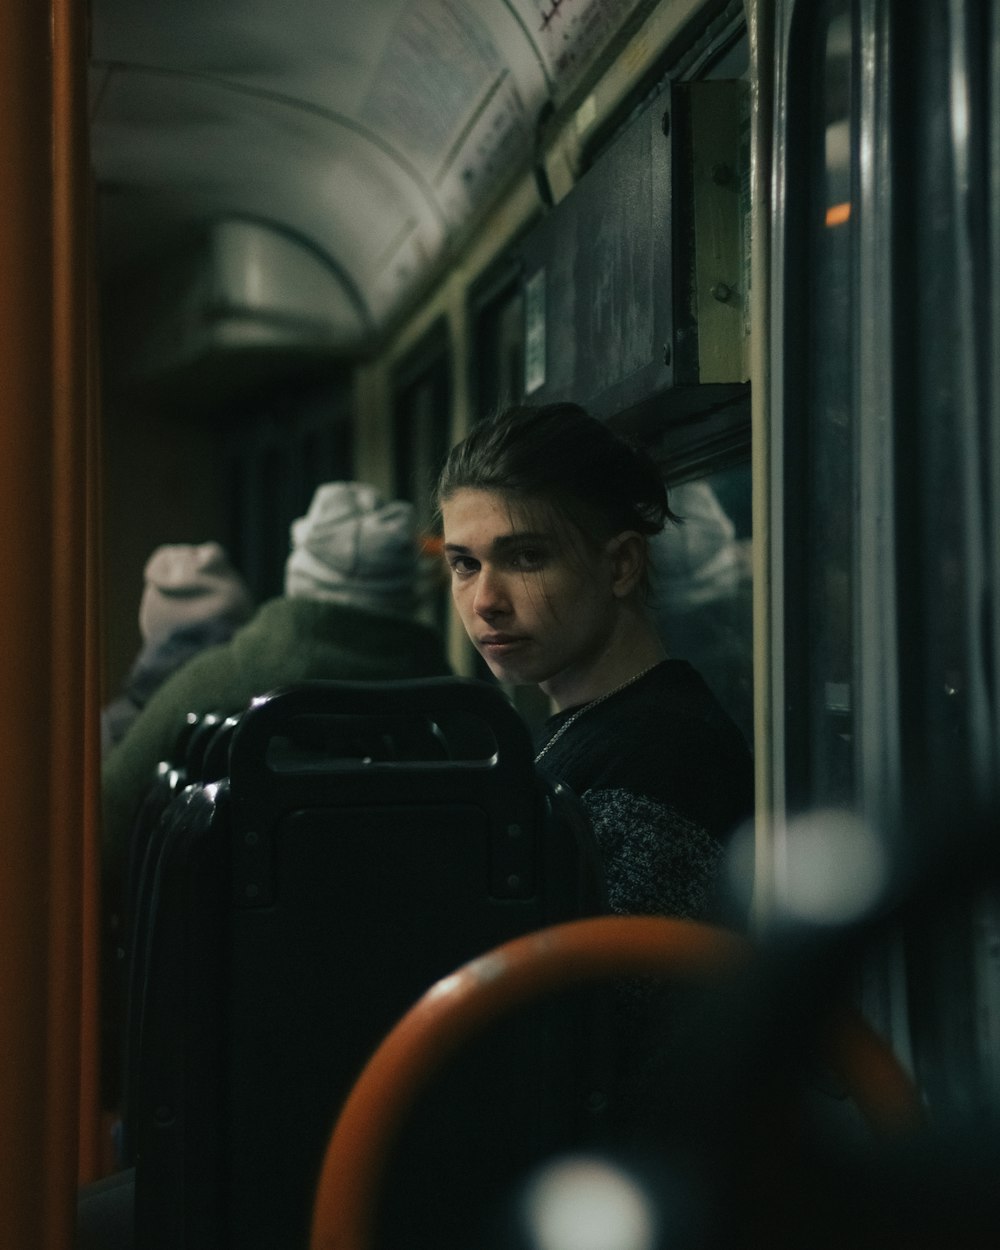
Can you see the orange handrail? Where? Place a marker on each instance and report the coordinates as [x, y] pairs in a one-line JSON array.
[[462, 1004]]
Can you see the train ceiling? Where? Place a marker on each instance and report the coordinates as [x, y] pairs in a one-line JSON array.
[[344, 143]]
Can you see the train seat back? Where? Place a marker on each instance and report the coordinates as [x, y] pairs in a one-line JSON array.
[[167, 782], [200, 754], [215, 761], [152, 959], [369, 839], [126, 919], [173, 1071]]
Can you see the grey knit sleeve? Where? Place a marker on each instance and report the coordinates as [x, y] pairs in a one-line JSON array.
[[657, 861]]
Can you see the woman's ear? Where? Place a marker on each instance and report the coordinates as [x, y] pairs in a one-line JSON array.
[[628, 554]]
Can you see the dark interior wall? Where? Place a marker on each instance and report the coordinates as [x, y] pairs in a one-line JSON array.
[[161, 485]]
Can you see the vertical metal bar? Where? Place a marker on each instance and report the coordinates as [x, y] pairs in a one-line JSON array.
[[768, 25], [883, 979], [877, 690], [971, 344], [760, 37]]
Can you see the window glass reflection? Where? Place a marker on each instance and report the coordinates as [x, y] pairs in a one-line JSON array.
[[703, 588]]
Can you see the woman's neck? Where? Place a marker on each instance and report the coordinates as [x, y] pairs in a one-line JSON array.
[[631, 652]]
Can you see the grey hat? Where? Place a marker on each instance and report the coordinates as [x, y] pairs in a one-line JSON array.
[[189, 584], [353, 547]]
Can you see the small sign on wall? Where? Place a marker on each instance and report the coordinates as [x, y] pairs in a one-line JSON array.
[[534, 332]]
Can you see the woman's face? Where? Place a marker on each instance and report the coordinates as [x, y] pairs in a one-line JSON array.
[[538, 607]]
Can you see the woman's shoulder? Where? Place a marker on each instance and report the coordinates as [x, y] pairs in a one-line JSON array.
[[685, 703], [685, 684], [671, 741]]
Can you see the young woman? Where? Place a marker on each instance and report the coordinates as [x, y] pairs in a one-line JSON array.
[[546, 518]]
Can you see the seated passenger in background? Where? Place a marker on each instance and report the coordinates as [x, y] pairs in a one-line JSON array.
[[547, 516], [193, 598], [347, 614]]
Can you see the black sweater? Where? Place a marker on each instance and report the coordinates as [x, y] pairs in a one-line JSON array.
[[666, 776]]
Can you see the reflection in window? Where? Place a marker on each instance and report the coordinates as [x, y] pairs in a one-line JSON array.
[[703, 589]]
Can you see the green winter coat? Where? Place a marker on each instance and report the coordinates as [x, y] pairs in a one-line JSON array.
[[288, 640]]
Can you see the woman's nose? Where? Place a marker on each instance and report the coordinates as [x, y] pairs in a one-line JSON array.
[[490, 598]]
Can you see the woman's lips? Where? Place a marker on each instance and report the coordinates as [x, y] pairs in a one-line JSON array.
[[500, 644]]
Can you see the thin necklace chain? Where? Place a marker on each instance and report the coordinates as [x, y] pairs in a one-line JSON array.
[[587, 707]]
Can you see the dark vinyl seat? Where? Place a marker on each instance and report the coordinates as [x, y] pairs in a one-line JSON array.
[[215, 760], [169, 780], [200, 754], [369, 839], [123, 907], [199, 742]]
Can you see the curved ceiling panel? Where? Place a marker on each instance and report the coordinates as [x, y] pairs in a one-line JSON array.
[[371, 130], [231, 151]]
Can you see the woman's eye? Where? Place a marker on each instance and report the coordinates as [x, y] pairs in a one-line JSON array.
[[463, 566], [529, 558]]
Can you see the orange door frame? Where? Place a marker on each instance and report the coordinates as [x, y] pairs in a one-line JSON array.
[[48, 629]]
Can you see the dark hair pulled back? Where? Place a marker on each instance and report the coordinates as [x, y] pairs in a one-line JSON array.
[[560, 455]]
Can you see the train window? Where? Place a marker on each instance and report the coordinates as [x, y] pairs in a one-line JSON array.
[[320, 431], [309, 467], [276, 456], [422, 389], [947, 103], [257, 484], [703, 589], [497, 313], [272, 494], [834, 419], [951, 437], [821, 593], [886, 682], [421, 420], [236, 511]]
